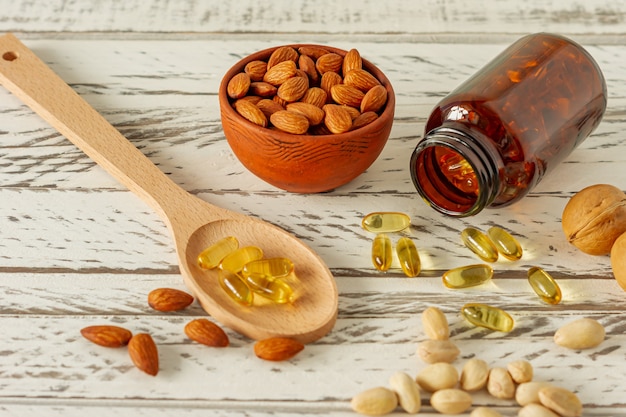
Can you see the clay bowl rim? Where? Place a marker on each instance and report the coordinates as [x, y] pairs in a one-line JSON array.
[[385, 117]]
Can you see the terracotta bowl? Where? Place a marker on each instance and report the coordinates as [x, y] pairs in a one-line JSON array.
[[304, 163]]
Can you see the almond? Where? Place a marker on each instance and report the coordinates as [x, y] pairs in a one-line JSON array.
[[354, 112], [144, 354], [329, 79], [306, 64], [280, 73], [169, 299], [238, 85], [262, 89], [315, 96], [345, 94], [282, 54], [314, 114], [277, 348], [434, 321], [293, 89], [374, 99], [251, 112], [290, 122], [337, 119], [256, 70], [269, 107], [313, 51], [329, 62], [207, 333], [376, 401], [351, 61], [360, 79], [107, 335], [364, 119]]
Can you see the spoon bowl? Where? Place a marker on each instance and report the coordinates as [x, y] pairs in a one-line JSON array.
[[193, 223]]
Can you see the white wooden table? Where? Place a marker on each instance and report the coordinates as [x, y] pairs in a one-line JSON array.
[[77, 248]]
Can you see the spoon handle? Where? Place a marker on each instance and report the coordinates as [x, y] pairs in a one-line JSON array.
[[31, 80]]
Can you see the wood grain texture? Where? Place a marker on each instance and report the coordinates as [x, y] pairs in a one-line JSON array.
[[78, 249]]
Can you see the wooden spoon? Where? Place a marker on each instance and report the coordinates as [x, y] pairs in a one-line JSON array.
[[193, 223]]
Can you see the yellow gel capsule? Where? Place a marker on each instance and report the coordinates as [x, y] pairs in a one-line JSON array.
[[506, 244], [235, 288], [480, 244], [487, 316], [544, 285], [235, 261], [381, 252], [467, 276], [276, 290], [385, 222], [212, 256], [271, 267], [409, 257]]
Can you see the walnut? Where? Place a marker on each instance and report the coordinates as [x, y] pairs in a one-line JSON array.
[[594, 218]]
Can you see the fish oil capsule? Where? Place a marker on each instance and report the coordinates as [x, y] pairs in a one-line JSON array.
[[409, 257], [544, 285], [506, 244], [212, 256], [381, 252], [271, 267], [235, 261], [467, 276], [385, 222], [235, 287], [276, 290], [487, 316], [480, 244]]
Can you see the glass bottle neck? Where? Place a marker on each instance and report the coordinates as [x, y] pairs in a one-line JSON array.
[[454, 172]]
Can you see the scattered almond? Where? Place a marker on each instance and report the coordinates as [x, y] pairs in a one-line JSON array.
[[474, 375], [435, 323], [582, 333], [277, 348], [144, 354], [451, 401], [437, 376], [207, 333], [433, 351], [500, 384], [376, 401], [169, 299], [408, 392], [107, 335], [561, 401], [521, 371]]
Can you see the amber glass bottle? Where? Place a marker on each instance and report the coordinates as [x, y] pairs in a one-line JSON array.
[[491, 140]]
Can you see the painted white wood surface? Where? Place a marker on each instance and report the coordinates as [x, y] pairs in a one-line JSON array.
[[77, 249]]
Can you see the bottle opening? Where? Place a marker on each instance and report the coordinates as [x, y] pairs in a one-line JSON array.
[[445, 179]]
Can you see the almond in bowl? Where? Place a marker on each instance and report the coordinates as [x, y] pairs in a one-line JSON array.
[[306, 118]]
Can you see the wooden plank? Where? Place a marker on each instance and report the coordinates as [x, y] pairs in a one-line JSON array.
[[323, 16]]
